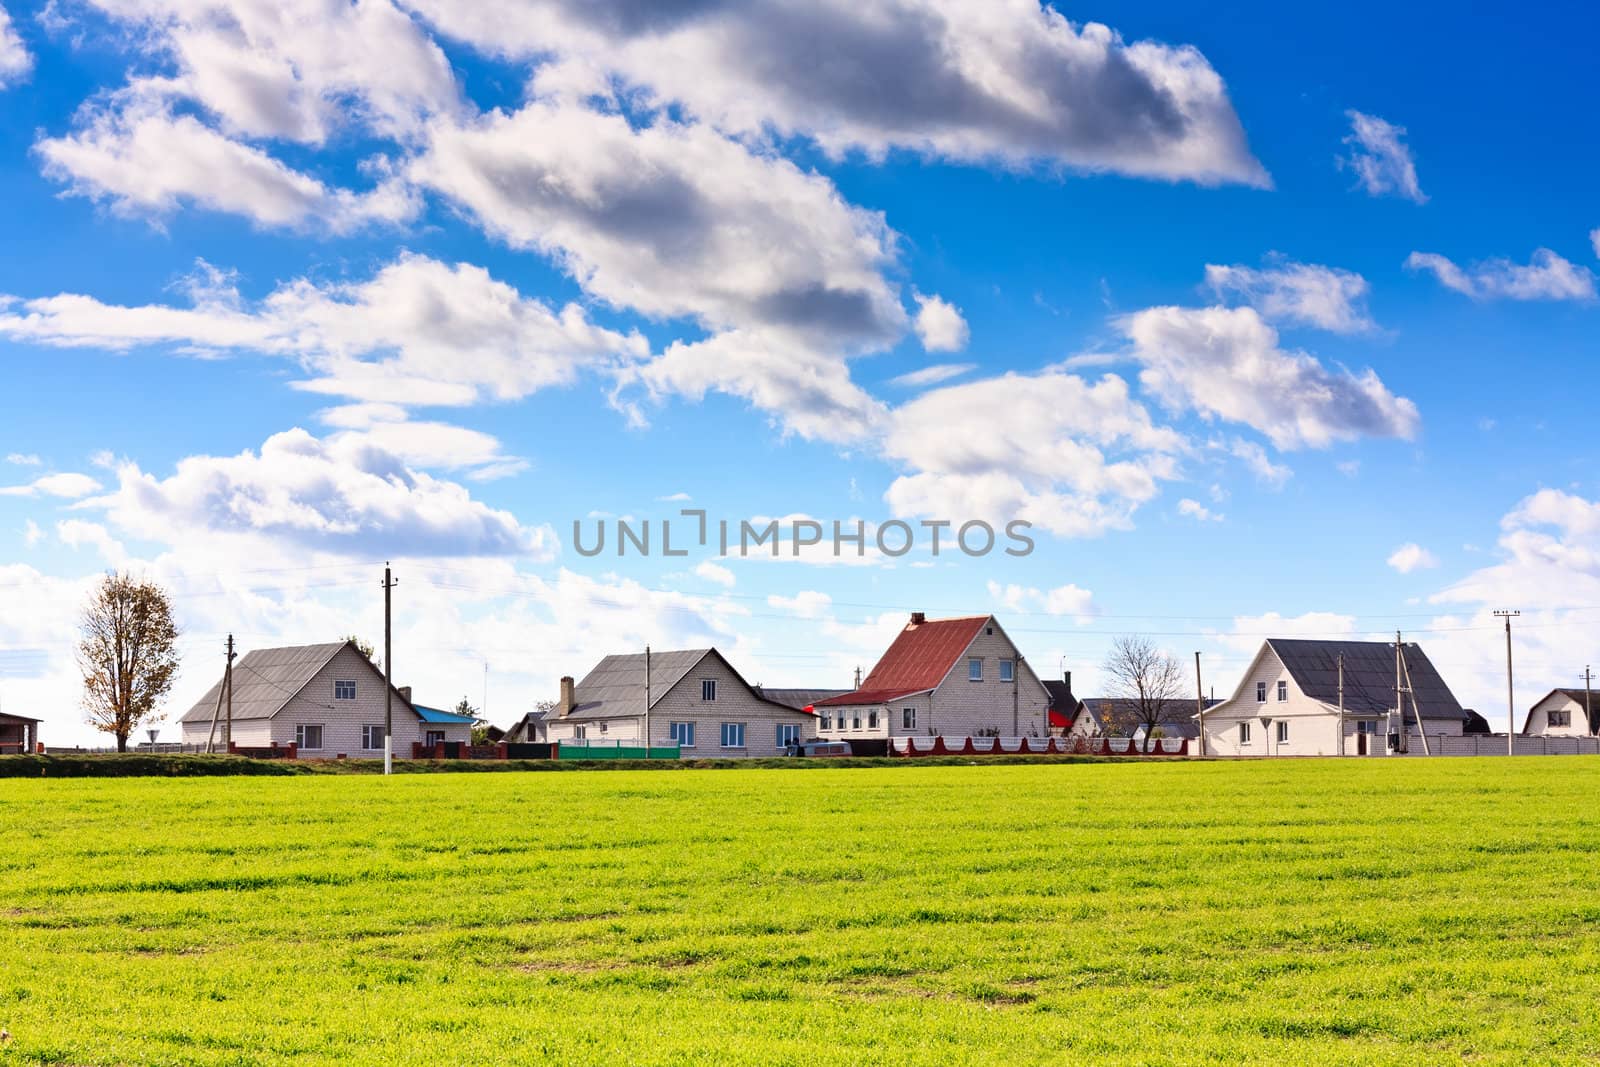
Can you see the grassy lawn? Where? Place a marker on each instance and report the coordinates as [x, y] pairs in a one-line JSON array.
[[1285, 912]]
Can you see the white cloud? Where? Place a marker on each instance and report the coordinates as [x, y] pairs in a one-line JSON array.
[[1197, 511], [675, 498], [32, 534], [1006, 80], [932, 375], [1411, 557], [1299, 293], [1546, 276], [1072, 457], [1381, 159], [24, 459], [1062, 600], [1250, 630], [15, 61], [716, 573], [75, 533], [1260, 464], [806, 604], [64, 486], [939, 325], [1225, 363], [418, 332], [1594, 239]]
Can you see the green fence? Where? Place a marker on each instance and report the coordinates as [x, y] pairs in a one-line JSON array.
[[568, 750]]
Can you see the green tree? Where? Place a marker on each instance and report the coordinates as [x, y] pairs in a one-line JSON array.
[[127, 652], [363, 647]]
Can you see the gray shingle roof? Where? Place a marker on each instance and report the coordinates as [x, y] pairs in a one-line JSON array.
[[1368, 676], [799, 698], [615, 687], [266, 679]]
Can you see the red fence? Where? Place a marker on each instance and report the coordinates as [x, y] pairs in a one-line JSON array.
[[457, 750], [1034, 746]]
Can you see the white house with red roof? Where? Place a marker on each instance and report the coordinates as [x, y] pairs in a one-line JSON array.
[[942, 678]]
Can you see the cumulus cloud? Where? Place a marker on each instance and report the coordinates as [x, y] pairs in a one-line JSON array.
[[1594, 239], [1197, 511], [15, 60], [346, 495], [1546, 276], [63, 486], [1381, 159], [806, 604], [940, 325], [418, 332], [1257, 461], [1226, 363], [1250, 630], [1073, 457], [1411, 557], [1008, 80], [24, 459], [1062, 600], [716, 573], [1302, 294]]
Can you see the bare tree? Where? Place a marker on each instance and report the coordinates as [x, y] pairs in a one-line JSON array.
[[127, 653], [1149, 680]]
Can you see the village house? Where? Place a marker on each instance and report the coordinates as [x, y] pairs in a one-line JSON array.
[[696, 700], [18, 734], [1288, 703], [957, 677], [1564, 713], [1121, 717], [327, 700]]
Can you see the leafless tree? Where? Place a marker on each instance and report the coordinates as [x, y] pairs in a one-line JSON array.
[[127, 653], [1148, 679]]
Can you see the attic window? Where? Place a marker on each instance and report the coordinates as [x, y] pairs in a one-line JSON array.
[[989, 630], [1283, 691], [344, 690]]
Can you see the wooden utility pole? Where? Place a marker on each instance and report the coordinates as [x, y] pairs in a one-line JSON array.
[[1341, 703], [1200, 703], [388, 673], [1511, 699], [227, 686]]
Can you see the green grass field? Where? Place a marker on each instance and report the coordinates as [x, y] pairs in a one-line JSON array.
[[1277, 912]]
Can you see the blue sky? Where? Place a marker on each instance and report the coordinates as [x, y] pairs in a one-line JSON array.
[[1270, 323]]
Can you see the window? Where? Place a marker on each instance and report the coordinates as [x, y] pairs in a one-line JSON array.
[[344, 690], [435, 737], [908, 718], [872, 719], [1368, 727], [788, 734], [708, 689], [681, 733], [580, 732], [733, 735], [975, 670], [1007, 670], [1283, 732], [1261, 692], [1283, 692], [372, 737], [1561, 718], [308, 735], [827, 722], [1244, 729], [855, 720]]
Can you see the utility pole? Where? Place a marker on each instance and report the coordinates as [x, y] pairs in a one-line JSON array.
[[1341, 703], [1200, 702], [1511, 699], [227, 685], [647, 704], [1399, 697], [1588, 702], [389, 583]]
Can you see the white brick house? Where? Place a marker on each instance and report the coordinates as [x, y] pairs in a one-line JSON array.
[[1288, 702], [696, 701], [959, 677], [1563, 713], [326, 699]]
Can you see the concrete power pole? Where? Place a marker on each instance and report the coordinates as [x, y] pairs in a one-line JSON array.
[[388, 673], [1200, 703], [1511, 698], [1341, 703], [227, 687], [1588, 701]]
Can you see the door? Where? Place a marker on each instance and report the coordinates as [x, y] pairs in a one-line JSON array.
[[1361, 743], [435, 737]]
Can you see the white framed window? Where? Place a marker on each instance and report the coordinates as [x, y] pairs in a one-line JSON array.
[[372, 736], [1261, 692], [580, 732], [974, 669], [1367, 727], [1244, 730], [1283, 732], [435, 737], [733, 735], [827, 722], [908, 718], [344, 690], [855, 721], [708, 689], [788, 734], [1283, 692], [1563, 717], [681, 733], [872, 719], [1008, 670], [308, 736]]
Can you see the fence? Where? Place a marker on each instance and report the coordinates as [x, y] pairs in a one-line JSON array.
[[1035, 746], [1495, 745], [628, 748]]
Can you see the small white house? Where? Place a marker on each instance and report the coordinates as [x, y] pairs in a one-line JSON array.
[[328, 700], [1564, 713], [1288, 703]]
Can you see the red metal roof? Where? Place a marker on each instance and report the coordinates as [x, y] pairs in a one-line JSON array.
[[1058, 719], [918, 661]]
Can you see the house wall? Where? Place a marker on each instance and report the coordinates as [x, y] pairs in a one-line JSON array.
[[963, 708], [1539, 717], [891, 720]]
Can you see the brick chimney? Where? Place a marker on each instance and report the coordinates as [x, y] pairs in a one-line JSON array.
[[566, 696], [404, 691], [918, 618]]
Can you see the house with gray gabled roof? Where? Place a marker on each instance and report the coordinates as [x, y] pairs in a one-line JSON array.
[[1564, 713], [1289, 701], [692, 698], [328, 700]]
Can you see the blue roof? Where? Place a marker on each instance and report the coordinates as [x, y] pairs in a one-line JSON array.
[[435, 715]]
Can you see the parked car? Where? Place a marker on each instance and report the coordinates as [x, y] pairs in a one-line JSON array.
[[819, 748]]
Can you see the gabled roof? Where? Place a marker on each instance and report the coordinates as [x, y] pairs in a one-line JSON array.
[[615, 687], [6, 716], [1063, 705], [799, 699], [268, 678], [1178, 715], [1369, 669], [437, 715], [917, 661], [1578, 697]]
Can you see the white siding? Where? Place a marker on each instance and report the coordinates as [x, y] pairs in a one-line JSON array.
[[1538, 723], [963, 708]]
